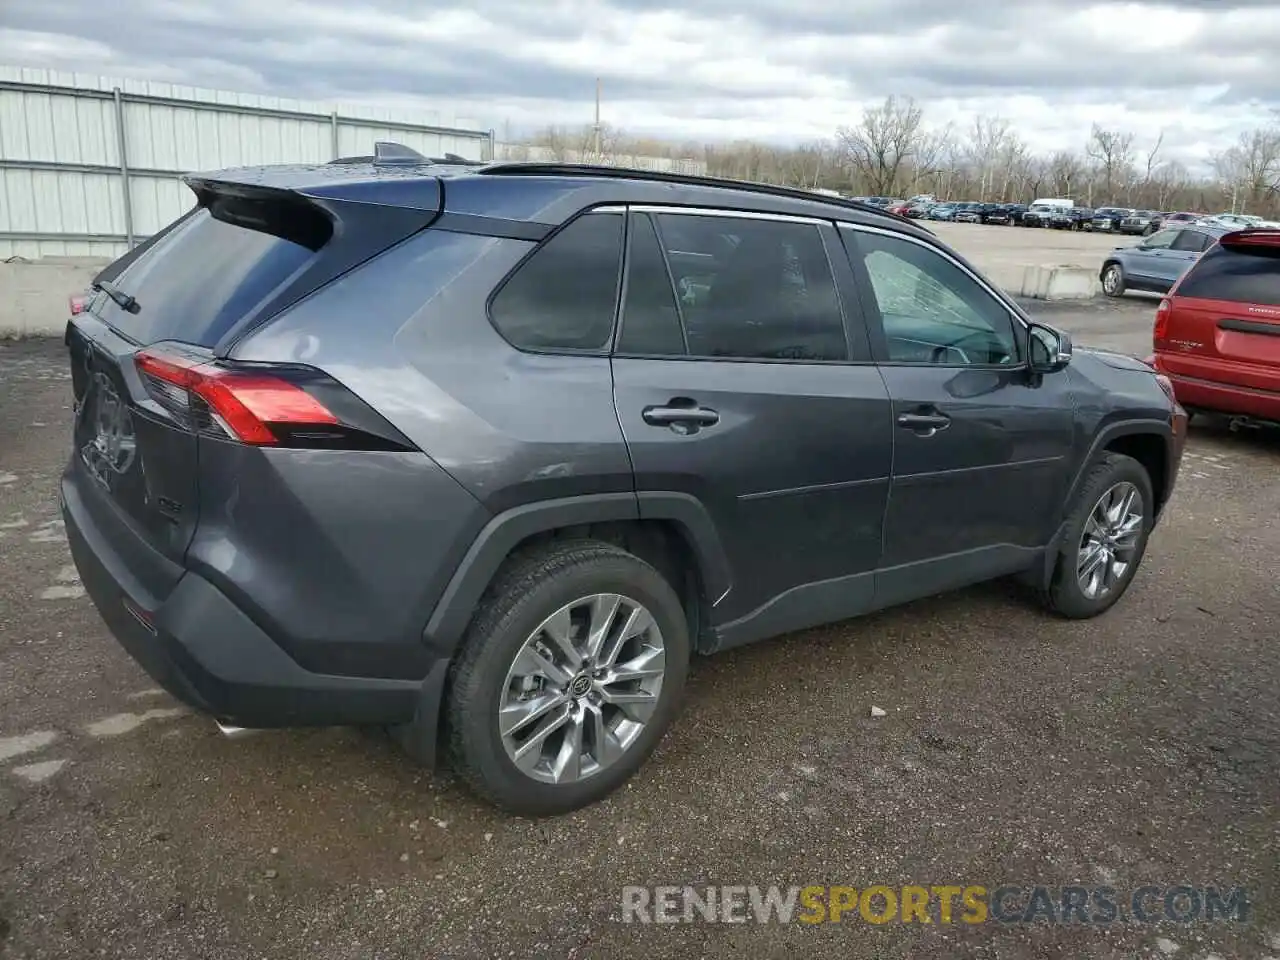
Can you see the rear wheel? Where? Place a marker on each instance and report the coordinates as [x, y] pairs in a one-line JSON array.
[[569, 674], [1113, 280], [1105, 540]]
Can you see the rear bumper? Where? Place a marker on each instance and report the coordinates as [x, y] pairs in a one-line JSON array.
[[204, 650], [1195, 393]]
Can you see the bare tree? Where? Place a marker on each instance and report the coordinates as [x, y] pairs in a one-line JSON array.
[[1112, 150], [987, 138], [883, 143], [1169, 179], [1065, 171], [931, 157], [1250, 170]]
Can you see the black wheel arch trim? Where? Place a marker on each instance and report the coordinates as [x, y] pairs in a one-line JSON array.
[[1111, 431], [491, 547]]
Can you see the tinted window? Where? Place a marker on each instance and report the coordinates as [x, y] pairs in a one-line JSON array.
[[753, 289], [1231, 274], [1191, 241], [207, 273], [563, 297], [650, 319], [931, 310]]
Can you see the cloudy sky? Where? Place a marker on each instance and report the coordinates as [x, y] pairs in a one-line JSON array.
[[779, 70]]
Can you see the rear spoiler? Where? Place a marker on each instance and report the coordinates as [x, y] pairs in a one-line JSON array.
[[347, 221], [1268, 237]]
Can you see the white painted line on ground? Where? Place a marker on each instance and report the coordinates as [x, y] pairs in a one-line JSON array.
[[25, 743], [39, 772], [62, 592], [122, 723], [149, 692]]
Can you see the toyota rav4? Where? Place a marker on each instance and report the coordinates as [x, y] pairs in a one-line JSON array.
[[484, 454]]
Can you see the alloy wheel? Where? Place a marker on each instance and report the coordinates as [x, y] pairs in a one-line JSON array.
[[1111, 280], [581, 688], [1109, 542]]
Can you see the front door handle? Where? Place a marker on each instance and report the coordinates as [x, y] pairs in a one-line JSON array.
[[925, 424], [680, 415]]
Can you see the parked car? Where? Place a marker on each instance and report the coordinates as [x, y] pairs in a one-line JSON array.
[[899, 207], [1039, 215], [516, 497], [969, 212], [942, 211], [1140, 222], [1217, 333], [997, 213], [1016, 212], [1155, 264], [920, 211], [1107, 219], [1073, 219], [1242, 221], [1180, 219]]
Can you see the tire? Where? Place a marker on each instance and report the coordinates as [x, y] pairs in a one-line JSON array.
[[1112, 477], [1113, 283], [527, 592], [1148, 231]]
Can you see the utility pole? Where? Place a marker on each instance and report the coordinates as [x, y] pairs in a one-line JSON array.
[[598, 158]]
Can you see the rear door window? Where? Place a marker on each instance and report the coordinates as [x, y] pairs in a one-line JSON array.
[[753, 289], [1191, 241], [212, 270], [1237, 274]]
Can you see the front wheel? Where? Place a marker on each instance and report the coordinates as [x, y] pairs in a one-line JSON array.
[[570, 673], [1113, 280], [1106, 538]]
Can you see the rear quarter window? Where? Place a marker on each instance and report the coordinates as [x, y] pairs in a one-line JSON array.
[[211, 271], [563, 297], [1235, 275]]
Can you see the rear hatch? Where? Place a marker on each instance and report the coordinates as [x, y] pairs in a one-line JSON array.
[[1221, 322], [145, 352]]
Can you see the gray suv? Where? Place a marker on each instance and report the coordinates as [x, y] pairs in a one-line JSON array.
[[484, 454]]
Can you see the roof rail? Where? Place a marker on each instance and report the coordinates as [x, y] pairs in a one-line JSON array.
[[536, 169]]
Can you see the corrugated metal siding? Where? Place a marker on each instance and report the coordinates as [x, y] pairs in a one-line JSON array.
[[51, 119]]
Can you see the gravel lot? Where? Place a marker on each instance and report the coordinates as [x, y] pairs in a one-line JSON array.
[[1142, 747]]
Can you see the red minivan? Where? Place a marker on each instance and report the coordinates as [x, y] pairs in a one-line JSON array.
[[1217, 333]]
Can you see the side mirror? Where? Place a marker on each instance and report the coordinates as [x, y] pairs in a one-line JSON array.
[[1050, 349]]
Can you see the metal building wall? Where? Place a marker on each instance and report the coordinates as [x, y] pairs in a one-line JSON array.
[[89, 164]]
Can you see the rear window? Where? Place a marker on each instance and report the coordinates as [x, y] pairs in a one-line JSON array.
[[208, 273], [1240, 276]]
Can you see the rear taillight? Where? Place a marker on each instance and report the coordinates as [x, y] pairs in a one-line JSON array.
[[78, 304], [262, 406], [1161, 330]]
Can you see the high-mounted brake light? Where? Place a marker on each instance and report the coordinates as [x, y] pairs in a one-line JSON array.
[[245, 404]]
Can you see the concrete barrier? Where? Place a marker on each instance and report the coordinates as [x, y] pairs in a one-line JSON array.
[[34, 294], [1046, 282]]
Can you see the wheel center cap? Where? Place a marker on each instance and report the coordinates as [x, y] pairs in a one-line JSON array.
[[580, 685]]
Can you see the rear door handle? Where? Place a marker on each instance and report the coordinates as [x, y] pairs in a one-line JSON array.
[[667, 416], [925, 424]]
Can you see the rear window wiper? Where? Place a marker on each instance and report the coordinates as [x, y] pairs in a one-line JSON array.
[[123, 300]]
